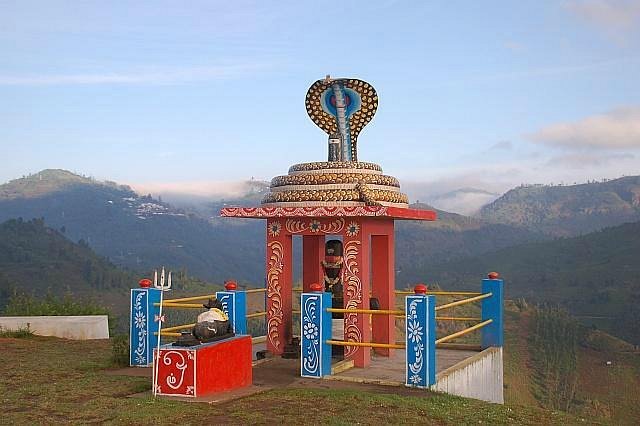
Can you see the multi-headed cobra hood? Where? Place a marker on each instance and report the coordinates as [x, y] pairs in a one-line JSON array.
[[340, 107]]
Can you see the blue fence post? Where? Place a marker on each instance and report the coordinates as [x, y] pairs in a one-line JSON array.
[[492, 308], [420, 338], [315, 330], [234, 304], [142, 325]]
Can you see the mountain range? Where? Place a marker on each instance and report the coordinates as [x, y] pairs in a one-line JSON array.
[[530, 234]]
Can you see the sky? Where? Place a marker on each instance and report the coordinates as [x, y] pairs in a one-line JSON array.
[[198, 96]]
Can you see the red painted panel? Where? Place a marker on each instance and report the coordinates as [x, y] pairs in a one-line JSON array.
[[224, 366], [205, 369], [383, 284]]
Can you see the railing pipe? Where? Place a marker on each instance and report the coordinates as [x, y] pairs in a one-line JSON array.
[[463, 301], [463, 332]]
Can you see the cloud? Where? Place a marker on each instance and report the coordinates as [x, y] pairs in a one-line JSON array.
[[160, 77], [501, 146], [616, 18], [584, 160], [209, 189], [607, 14], [619, 128]]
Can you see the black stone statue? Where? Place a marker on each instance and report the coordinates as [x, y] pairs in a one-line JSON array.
[[211, 326]]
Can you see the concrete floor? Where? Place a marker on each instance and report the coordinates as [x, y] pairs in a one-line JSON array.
[[391, 370]]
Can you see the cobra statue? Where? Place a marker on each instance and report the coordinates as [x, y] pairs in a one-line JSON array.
[[341, 107]]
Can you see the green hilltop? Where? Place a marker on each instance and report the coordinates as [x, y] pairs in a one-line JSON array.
[[595, 276]]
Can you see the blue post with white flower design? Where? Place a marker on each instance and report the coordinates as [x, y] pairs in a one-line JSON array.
[[234, 304], [143, 327], [420, 332], [315, 330]]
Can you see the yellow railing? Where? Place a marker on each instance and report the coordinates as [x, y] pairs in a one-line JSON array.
[[366, 344], [463, 301], [366, 311], [189, 299], [440, 293], [463, 332], [179, 327], [180, 305]]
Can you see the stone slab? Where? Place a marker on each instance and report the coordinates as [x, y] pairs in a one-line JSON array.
[[81, 327]]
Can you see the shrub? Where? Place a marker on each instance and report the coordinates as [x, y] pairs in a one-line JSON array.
[[120, 350]]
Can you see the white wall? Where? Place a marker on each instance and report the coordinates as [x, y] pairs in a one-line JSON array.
[[479, 377], [68, 327]]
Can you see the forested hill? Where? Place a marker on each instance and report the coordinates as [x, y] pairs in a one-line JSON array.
[[36, 259], [134, 231], [595, 275], [568, 210]]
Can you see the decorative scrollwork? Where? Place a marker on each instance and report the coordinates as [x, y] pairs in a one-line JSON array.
[[274, 292], [353, 287], [297, 226]]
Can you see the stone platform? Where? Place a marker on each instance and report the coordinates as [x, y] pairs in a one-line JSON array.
[[391, 370]]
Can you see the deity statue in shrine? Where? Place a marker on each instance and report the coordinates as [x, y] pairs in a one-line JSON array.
[[332, 267]]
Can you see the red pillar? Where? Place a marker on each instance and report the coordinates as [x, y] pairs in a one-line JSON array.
[[279, 274], [383, 285], [312, 255], [356, 290]]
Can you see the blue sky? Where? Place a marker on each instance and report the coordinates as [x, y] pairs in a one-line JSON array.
[[195, 96]]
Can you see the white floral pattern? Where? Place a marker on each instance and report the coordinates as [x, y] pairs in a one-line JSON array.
[[353, 229], [415, 350], [310, 331], [315, 226], [310, 336], [275, 228]]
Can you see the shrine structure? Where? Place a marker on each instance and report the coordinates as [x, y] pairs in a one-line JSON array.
[[344, 199]]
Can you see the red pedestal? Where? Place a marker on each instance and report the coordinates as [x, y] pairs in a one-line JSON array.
[[205, 369], [367, 235]]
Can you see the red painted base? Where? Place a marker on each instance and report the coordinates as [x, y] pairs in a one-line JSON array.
[[205, 369]]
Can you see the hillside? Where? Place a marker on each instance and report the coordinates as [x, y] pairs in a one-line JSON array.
[[136, 231], [596, 275], [421, 245], [141, 233], [568, 210], [604, 372], [39, 260]]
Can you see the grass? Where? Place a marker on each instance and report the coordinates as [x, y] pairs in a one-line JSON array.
[[49, 380], [20, 333]]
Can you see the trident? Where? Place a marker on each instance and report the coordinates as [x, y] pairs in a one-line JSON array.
[[160, 319]]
